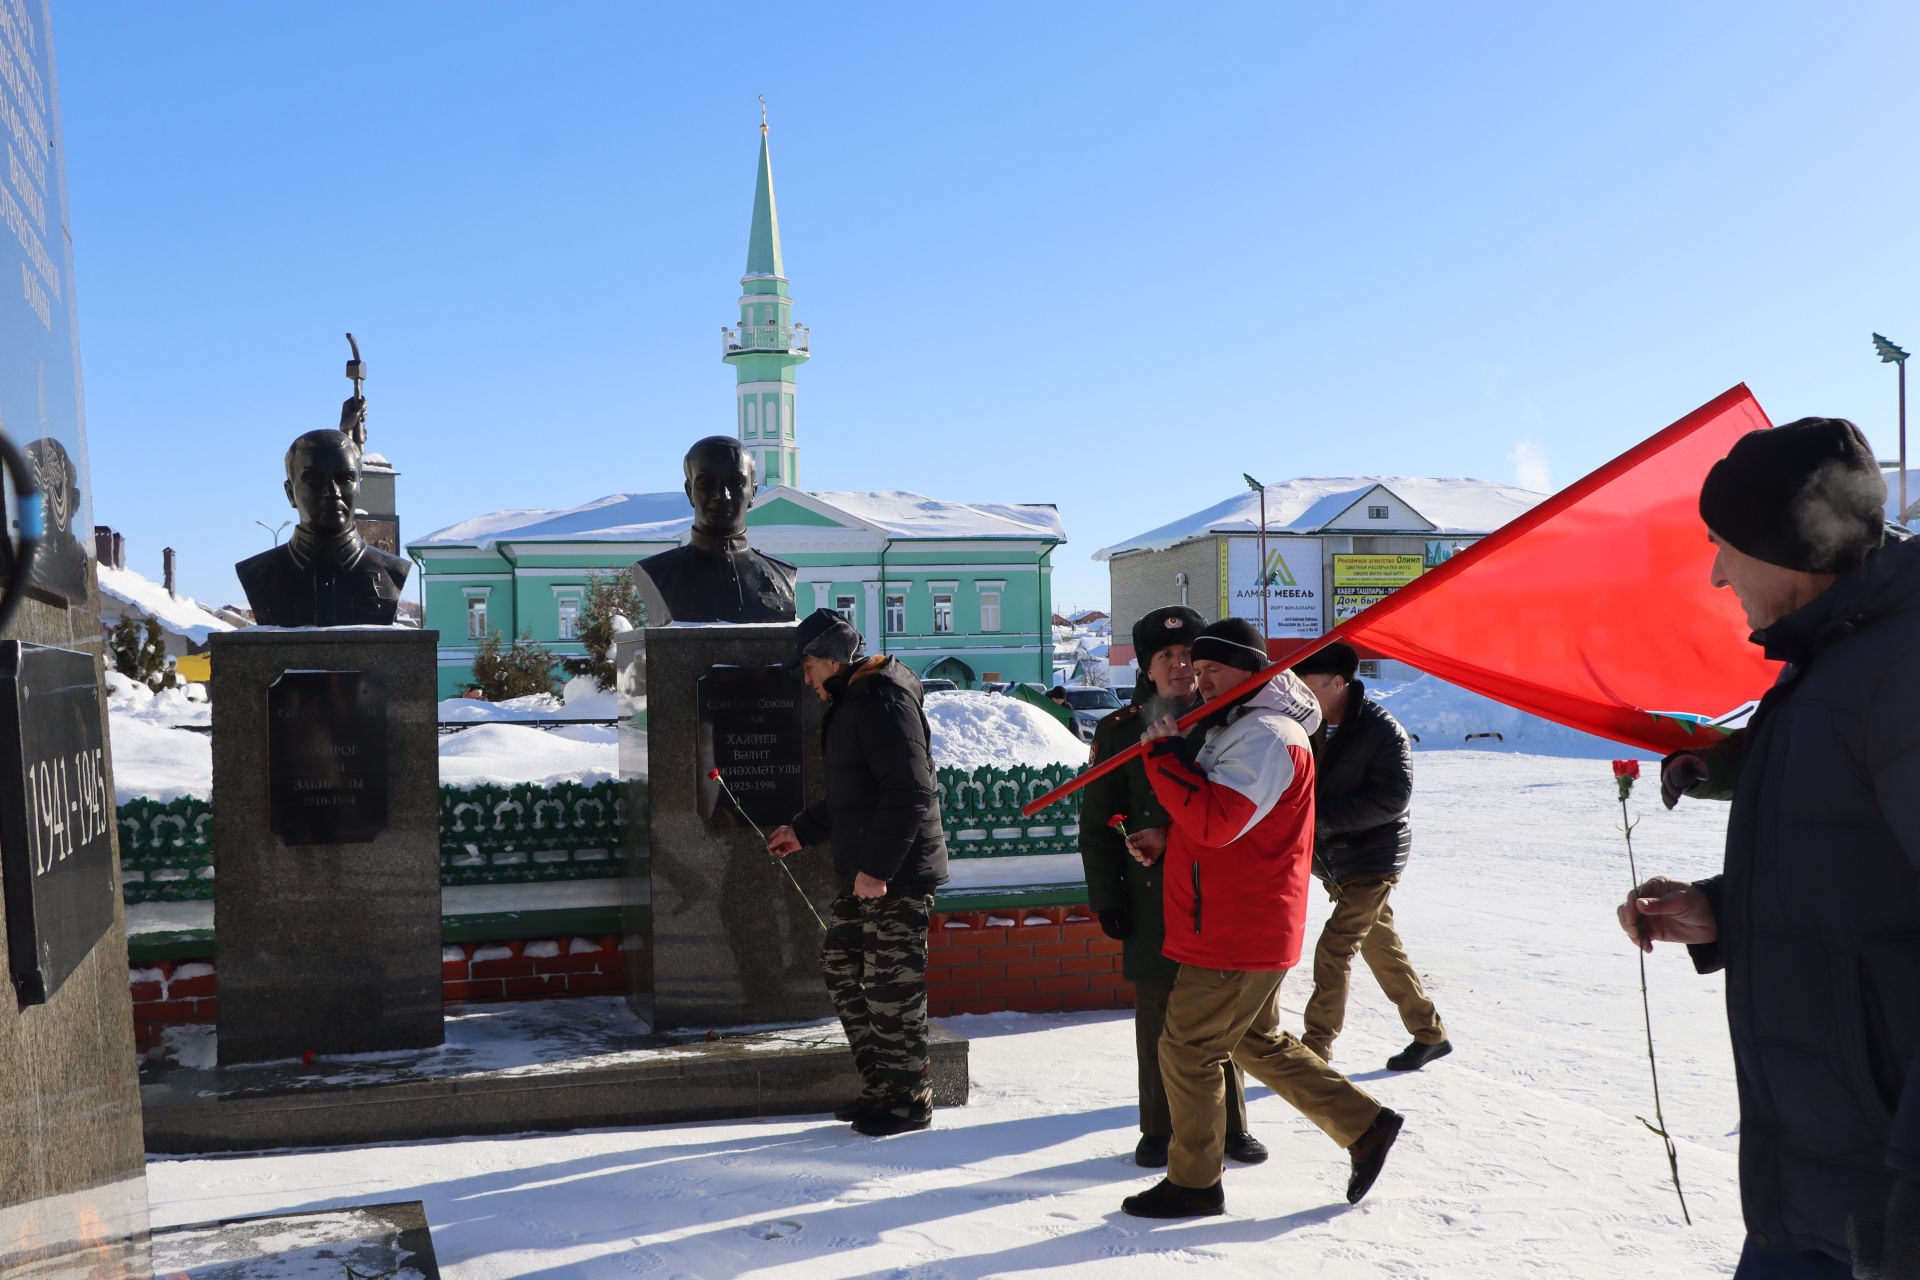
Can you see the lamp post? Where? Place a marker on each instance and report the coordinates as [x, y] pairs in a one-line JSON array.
[[270, 529], [1890, 354], [1266, 630]]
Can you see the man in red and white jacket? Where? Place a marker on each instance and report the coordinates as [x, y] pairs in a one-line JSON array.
[[1238, 862]]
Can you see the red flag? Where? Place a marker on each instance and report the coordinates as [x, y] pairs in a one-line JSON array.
[[1594, 609]]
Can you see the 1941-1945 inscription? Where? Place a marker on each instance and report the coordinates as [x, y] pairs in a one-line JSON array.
[[327, 757], [56, 818], [750, 727]]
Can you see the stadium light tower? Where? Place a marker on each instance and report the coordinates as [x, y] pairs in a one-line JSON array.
[[1890, 354], [1266, 631]]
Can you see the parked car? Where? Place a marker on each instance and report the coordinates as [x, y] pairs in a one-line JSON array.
[[1090, 704], [937, 685]]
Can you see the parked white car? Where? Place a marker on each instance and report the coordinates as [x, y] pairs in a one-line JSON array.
[[1090, 703]]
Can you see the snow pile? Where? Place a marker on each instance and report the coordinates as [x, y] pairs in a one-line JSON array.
[[1444, 715], [169, 707], [155, 754], [509, 754], [579, 700], [972, 730]]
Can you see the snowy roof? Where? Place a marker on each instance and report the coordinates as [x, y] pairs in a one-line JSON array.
[[618, 517], [664, 517], [904, 514], [178, 614], [1306, 504]]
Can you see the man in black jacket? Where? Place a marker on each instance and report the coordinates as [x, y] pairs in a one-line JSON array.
[[1816, 915], [882, 813], [1363, 783], [1123, 874]]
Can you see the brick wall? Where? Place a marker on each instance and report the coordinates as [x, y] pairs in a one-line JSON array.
[[1039, 959], [169, 993], [1141, 582], [1035, 960]]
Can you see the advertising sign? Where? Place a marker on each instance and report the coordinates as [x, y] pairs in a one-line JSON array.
[[1290, 579], [1362, 580]]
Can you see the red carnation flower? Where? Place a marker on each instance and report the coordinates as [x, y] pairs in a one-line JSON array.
[[1117, 821], [1626, 769], [713, 775]]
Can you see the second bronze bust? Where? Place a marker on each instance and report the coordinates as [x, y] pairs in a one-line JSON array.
[[716, 577]]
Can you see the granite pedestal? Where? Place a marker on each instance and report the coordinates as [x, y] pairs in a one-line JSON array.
[[725, 938], [73, 1201], [326, 840]]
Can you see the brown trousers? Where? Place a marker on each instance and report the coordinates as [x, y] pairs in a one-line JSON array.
[[1362, 921], [1217, 1015], [1149, 1018]]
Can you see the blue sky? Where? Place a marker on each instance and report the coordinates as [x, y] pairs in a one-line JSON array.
[[1108, 256]]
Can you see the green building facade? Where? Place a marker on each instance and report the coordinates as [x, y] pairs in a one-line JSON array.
[[959, 591]]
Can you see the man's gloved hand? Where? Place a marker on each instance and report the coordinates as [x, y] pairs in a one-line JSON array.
[[1890, 1249], [1680, 772], [1116, 925]]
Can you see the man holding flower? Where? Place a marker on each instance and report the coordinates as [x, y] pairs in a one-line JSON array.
[[1123, 835], [1816, 915]]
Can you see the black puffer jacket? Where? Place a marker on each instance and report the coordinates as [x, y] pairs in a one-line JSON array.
[[1364, 783], [1819, 911], [882, 810]]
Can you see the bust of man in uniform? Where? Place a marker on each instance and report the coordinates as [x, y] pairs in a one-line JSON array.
[[325, 575], [716, 577]]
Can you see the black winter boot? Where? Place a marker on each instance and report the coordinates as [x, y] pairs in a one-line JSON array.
[[1417, 1055], [1369, 1152], [1151, 1152], [1245, 1148], [1166, 1199]]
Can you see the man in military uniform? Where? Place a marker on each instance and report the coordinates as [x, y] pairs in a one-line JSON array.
[[716, 577], [325, 575], [1123, 875]]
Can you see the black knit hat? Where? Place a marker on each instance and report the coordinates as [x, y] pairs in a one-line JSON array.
[[1805, 496], [1337, 659], [1175, 624], [1232, 642], [825, 634]]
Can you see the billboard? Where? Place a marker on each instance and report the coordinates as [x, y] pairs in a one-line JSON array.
[[1363, 580], [1291, 581]]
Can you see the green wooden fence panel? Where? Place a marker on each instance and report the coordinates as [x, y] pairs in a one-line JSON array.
[[570, 831]]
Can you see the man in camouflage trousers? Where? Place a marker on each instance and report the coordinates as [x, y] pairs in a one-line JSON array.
[[882, 814]]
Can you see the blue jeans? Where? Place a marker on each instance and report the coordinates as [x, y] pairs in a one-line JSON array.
[[1757, 1263]]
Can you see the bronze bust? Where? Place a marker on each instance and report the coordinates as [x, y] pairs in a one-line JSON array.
[[716, 577], [325, 575]]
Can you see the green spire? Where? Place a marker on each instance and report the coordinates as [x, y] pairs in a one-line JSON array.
[[763, 243]]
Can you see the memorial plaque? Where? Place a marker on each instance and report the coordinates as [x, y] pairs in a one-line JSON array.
[[327, 757], [40, 405], [750, 729], [56, 818]]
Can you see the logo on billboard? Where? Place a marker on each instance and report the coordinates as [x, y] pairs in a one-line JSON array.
[[1277, 574]]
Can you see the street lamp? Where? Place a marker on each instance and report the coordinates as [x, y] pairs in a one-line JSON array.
[[270, 529], [1890, 354], [1266, 631]]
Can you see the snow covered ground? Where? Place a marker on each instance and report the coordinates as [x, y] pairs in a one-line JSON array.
[[1522, 1155]]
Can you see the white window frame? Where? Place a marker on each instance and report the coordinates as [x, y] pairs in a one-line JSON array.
[[1378, 512], [997, 592], [896, 599], [479, 596], [847, 607], [943, 610]]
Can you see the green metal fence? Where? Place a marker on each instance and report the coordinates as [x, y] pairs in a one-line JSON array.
[[570, 831]]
